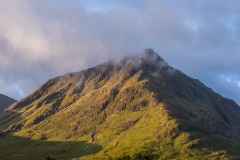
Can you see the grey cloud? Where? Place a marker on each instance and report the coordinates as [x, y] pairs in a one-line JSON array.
[[47, 38]]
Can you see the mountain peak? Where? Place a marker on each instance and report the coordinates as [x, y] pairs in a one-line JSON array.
[[151, 57], [145, 60], [147, 57], [5, 101], [150, 54]]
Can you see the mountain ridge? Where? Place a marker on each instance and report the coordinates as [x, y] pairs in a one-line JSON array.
[[137, 106], [5, 102]]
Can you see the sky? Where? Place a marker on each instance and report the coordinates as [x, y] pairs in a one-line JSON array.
[[43, 39]]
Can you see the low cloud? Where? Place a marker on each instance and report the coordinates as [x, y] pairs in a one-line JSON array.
[[43, 39]]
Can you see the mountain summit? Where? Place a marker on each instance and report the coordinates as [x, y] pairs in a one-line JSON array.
[[135, 108], [5, 101]]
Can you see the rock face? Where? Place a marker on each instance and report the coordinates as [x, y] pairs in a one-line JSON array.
[[5, 102], [135, 108]]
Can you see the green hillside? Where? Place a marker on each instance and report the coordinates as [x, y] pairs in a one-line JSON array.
[[135, 108]]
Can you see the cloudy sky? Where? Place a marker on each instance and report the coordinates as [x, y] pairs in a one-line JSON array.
[[41, 39]]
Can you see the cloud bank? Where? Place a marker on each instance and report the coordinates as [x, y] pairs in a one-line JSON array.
[[43, 39]]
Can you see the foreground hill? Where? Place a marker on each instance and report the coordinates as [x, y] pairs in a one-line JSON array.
[[135, 108], [5, 102]]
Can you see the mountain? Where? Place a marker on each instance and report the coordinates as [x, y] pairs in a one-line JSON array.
[[5, 101], [135, 108]]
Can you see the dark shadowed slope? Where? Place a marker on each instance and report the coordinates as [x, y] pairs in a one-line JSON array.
[[5, 102], [137, 107]]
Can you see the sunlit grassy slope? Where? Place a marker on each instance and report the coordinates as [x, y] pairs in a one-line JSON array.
[[135, 108]]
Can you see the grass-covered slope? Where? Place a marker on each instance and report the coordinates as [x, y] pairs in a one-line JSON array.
[[136, 108]]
